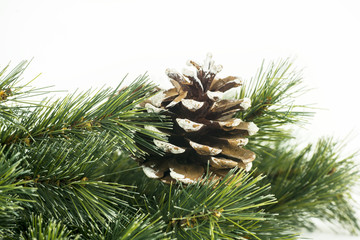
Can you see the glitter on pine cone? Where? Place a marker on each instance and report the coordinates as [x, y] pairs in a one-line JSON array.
[[205, 132]]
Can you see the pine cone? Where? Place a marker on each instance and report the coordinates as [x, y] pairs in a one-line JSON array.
[[205, 132]]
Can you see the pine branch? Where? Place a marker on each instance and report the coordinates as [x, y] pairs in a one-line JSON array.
[[39, 228], [68, 180], [78, 115], [66, 147], [129, 226], [15, 96], [314, 182], [230, 209], [11, 202], [273, 92]]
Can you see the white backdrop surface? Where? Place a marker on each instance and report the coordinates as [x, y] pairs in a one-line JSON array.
[[78, 44]]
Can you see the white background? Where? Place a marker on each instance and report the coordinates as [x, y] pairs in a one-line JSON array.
[[83, 44]]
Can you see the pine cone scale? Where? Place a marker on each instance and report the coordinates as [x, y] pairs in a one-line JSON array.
[[206, 150], [192, 105], [186, 173], [222, 163]]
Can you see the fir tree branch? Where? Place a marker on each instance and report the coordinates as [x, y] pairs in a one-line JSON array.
[[15, 97], [314, 182], [78, 115], [39, 229], [68, 180], [230, 209], [128, 226], [273, 92], [66, 147], [13, 88], [11, 202]]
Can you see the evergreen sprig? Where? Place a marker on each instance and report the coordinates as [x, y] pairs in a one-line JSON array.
[[209, 209], [40, 229], [78, 115], [11, 87], [11, 191], [130, 226], [273, 92], [68, 181], [16, 96], [314, 182], [62, 151]]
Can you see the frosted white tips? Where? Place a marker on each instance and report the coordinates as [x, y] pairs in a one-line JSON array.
[[188, 125], [252, 128], [151, 173], [248, 166], [153, 129], [214, 95], [186, 173], [215, 68], [168, 147], [246, 103], [152, 109], [188, 72], [232, 123], [222, 163], [191, 104], [208, 62], [204, 149], [179, 176], [173, 103], [239, 142], [170, 71], [238, 80], [157, 99]]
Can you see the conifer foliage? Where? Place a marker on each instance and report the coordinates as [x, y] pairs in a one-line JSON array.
[[67, 168]]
